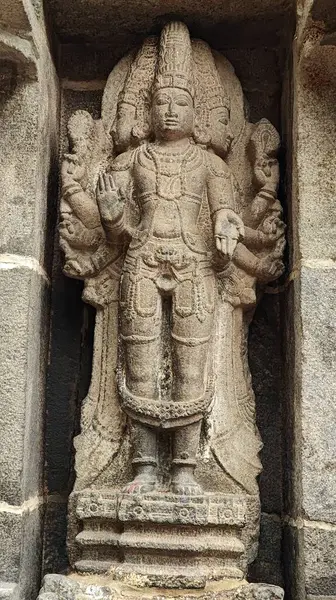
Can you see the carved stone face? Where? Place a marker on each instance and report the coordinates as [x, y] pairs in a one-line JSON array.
[[221, 133], [172, 114], [123, 125]]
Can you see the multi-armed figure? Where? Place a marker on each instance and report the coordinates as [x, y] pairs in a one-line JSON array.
[[167, 257], [167, 219]]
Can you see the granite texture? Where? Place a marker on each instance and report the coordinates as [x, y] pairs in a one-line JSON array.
[[310, 315], [59, 587], [28, 148], [148, 406], [318, 289], [111, 20], [94, 38], [268, 566], [320, 569], [23, 345], [21, 545], [316, 155], [8, 591]]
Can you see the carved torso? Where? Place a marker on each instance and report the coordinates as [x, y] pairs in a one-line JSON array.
[[169, 189]]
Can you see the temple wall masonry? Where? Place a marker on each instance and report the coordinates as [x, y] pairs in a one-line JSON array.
[[167, 300]]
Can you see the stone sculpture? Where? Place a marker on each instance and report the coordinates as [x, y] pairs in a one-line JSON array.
[[170, 216]]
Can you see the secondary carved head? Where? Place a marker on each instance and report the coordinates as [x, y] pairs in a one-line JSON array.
[[213, 102], [131, 122], [221, 132]]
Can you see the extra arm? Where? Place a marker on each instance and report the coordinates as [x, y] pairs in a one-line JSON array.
[[82, 205], [112, 191]]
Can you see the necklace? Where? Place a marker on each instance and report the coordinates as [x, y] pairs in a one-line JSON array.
[[163, 161]]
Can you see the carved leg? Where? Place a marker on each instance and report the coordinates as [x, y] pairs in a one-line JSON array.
[[141, 317], [185, 446], [144, 459], [190, 344], [190, 384], [140, 334]]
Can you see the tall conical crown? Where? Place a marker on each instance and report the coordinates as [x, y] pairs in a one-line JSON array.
[[209, 85], [141, 75], [175, 65]]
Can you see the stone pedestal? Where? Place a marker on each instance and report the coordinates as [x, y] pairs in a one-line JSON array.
[[160, 539], [78, 587]]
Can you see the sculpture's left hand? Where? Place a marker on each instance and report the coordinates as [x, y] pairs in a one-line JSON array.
[[266, 173], [74, 168], [229, 228]]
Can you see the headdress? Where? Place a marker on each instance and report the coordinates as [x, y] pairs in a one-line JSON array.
[[175, 67], [209, 87], [141, 74]]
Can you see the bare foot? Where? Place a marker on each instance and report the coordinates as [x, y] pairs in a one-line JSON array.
[[184, 482], [144, 482]]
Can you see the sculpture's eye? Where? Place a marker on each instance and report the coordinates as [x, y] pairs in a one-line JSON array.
[[161, 100], [224, 120], [182, 102]]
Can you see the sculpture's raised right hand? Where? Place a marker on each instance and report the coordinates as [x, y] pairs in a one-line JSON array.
[[110, 199]]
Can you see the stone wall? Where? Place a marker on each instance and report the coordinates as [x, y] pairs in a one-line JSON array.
[[310, 313], [28, 154], [295, 76]]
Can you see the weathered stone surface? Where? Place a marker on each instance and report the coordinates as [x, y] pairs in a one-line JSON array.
[[14, 15], [31, 553], [319, 552], [20, 548], [22, 350], [157, 335], [268, 565], [179, 532], [111, 21], [28, 147], [316, 160], [313, 597], [11, 534], [318, 409], [8, 591], [96, 219], [59, 587]]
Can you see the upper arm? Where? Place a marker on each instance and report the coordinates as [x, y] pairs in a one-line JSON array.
[[220, 185], [121, 170]]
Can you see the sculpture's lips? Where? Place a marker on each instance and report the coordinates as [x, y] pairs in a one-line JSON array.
[[171, 122]]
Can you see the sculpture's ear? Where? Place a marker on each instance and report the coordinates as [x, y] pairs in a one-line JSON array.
[[141, 131]]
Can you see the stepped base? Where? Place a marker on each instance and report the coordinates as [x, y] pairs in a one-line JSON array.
[[161, 540], [79, 587]]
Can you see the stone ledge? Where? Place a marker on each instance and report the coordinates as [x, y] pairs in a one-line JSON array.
[[310, 597], [19, 51], [208, 509], [58, 587], [8, 591], [20, 261]]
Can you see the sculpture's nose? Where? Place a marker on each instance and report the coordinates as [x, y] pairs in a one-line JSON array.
[[172, 112], [230, 135]]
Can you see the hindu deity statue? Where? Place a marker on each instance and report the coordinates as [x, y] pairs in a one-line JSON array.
[[168, 258], [170, 216]]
